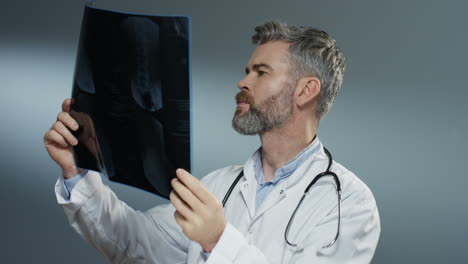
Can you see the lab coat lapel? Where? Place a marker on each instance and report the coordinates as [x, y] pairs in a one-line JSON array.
[[248, 187], [271, 200], [248, 190]]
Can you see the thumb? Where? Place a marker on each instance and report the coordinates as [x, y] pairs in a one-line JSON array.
[[66, 105]]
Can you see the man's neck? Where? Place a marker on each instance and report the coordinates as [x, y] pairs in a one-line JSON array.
[[282, 144]]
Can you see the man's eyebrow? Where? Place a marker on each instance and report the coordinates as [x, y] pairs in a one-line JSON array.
[[258, 66]]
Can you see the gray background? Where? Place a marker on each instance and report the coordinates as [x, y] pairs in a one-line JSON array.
[[399, 123]]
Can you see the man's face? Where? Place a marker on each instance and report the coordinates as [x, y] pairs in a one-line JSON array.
[[266, 97]]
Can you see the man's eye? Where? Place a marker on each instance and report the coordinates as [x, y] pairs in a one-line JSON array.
[[260, 73]]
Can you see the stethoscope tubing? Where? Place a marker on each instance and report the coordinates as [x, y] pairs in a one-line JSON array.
[[328, 172]]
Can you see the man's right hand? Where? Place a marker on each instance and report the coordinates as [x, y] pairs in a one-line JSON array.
[[59, 140]]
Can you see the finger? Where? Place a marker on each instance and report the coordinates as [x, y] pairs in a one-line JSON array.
[[180, 205], [65, 133], [195, 186], [66, 105], [186, 195], [68, 120], [180, 220], [54, 137]]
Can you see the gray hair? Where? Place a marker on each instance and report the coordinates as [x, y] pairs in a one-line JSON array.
[[312, 52]]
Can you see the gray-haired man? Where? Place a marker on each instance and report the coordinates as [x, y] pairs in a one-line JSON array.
[[291, 81]]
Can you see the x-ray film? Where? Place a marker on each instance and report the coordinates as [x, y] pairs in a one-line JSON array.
[[131, 97]]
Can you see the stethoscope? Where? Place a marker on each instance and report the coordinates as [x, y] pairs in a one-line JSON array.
[[316, 178]]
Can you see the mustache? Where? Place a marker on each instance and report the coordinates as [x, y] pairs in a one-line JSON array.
[[243, 96]]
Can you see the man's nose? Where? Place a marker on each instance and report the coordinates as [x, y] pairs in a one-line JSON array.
[[244, 84]]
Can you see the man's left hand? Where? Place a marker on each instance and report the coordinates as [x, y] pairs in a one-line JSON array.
[[198, 212]]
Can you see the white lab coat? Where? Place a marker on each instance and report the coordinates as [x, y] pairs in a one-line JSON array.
[[252, 236]]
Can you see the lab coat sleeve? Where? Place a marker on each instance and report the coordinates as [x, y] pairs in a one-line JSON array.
[[120, 233], [232, 247], [359, 234]]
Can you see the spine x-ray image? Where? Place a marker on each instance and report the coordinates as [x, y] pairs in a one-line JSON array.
[[131, 97]]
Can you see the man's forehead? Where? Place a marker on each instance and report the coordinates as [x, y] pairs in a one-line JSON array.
[[274, 53]]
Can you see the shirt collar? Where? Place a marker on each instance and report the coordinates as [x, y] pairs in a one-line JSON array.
[[289, 167]]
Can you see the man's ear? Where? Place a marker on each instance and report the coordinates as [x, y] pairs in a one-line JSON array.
[[308, 89]]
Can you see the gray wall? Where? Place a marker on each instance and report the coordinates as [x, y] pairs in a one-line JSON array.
[[399, 123]]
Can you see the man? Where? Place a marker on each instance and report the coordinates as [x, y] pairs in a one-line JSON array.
[[291, 81]]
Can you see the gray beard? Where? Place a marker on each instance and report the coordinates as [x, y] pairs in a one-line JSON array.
[[272, 113], [250, 123]]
